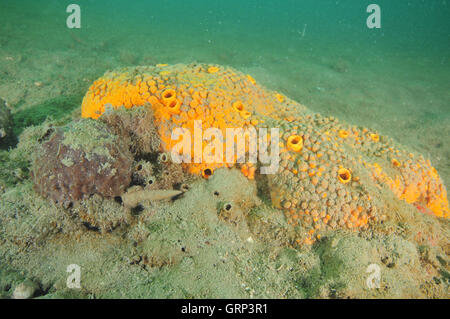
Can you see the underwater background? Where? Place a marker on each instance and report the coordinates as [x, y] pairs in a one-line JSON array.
[[395, 80], [322, 54]]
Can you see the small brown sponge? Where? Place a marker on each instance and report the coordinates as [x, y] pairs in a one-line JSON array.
[[162, 175], [136, 126], [81, 159]]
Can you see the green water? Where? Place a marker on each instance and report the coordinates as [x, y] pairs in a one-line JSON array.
[[394, 79]]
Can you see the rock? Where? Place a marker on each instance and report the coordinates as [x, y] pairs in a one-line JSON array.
[[25, 290]]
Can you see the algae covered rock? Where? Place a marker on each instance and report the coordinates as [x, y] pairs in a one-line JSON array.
[[331, 175], [387, 266], [101, 213], [79, 160]]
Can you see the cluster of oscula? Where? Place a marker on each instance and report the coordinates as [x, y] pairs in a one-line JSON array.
[[331, 175]]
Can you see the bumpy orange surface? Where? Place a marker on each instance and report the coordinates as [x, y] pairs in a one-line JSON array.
[[330, 173]]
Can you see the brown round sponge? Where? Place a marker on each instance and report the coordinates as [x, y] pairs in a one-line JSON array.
[[81, 159]]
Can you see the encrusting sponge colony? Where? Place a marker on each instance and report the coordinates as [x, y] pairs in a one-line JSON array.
[[330, 174]]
